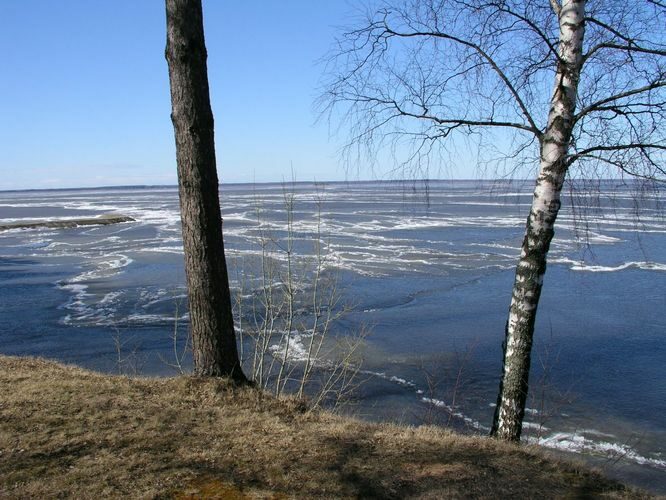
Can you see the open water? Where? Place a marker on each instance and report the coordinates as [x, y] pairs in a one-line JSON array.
[[427, 268]]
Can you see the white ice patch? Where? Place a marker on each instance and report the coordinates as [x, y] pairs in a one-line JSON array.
[[455, 413], [576, 265], [408, 384], [82, 305], [577, 442], [152, 319], [90, 206], [602, 239], [77, 304], [104, 269], [291, 348], [534, 425], [647, 266], [110, 298], [391, 378], [490, 204]]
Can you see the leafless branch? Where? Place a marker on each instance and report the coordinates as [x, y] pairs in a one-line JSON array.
[[630, 47], [619, 147], [629, 93], [435, 34], [421, 76]]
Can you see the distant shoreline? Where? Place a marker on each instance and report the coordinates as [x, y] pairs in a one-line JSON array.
[[492, 182], [103, 220]]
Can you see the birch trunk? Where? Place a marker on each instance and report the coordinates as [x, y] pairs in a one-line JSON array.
[[510, 410], [213, 337]]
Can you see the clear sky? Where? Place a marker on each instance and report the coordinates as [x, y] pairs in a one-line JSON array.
[[84, 91]]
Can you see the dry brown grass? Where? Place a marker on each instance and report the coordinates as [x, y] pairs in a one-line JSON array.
[[69, 432]]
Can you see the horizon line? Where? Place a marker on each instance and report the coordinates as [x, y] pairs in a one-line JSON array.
[[252, 183]]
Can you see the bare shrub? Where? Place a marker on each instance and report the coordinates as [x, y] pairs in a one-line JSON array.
[[287, 303]]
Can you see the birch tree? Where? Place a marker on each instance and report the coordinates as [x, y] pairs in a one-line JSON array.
[[213, 338], [564, 86]]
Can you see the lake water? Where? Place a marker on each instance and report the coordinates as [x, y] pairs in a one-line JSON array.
[[428, 269]]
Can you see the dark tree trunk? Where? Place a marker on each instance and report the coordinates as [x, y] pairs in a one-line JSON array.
[[213, 338]]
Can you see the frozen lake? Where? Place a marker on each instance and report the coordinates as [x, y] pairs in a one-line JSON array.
[[430, 276]]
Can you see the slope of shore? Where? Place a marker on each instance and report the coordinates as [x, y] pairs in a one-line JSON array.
[[69, 432], [103, 220]]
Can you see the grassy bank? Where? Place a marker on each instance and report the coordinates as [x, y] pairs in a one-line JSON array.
[[69, 432]]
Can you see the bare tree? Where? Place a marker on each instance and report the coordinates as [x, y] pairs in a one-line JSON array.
[[553, 84], [213, 339]]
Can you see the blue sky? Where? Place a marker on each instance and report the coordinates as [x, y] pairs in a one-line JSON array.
[[84, 93]]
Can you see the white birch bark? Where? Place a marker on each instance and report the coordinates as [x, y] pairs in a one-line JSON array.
[[539, 231]]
